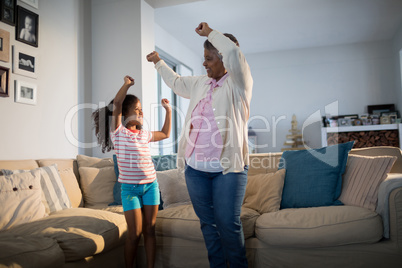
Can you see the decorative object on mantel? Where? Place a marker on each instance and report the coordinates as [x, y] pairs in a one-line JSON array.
[[295, 139]]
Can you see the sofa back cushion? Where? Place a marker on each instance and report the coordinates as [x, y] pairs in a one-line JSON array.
[[97, 185], [264, 163], [20, 199], [381, 151], [18, 164], [61, 164], [264, 191], [173, 187], [72, 188], [362, 179]]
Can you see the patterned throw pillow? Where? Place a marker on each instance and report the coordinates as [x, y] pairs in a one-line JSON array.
[[362, 179], [54, 195]]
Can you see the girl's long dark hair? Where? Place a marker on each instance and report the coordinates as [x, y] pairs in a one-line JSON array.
[[102, 118]]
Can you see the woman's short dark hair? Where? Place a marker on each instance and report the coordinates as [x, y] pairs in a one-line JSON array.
[[209, 46]]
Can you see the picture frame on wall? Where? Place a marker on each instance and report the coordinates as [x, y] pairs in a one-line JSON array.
[[4, 81], [4, 46], [25, 92], [26, 30], [24, 62], [32, 3], [8, 11]]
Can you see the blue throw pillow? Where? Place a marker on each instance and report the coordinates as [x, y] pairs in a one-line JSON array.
[[164, 162], [314, 177], [117, 185]]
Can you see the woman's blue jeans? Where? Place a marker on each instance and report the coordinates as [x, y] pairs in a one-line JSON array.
[[217, 201]]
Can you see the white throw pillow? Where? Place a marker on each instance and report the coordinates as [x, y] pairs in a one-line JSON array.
[[20, 199], [54, 195], [173, 187], [72, 188]]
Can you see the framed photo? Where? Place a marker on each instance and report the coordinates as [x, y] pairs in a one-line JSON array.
[[26, 29], [7, 9], [25, 92], [378, 109], [25, 63], [344, 122], [32, 3], [4, 46], [4, 81]]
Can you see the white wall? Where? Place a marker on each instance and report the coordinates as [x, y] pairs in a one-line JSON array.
[[38, 131], [397, 55], [179, 51], [122, 35], [304, 81]]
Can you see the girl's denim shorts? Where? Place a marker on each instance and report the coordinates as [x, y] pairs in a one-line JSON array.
[[135, 196]]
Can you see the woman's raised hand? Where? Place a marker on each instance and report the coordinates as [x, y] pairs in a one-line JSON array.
[[128, 80], [153, 57], [203, 29]]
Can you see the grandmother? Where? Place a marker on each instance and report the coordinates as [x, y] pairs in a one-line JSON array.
[[213, 149]]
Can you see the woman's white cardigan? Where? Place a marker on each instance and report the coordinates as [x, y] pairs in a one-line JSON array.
[[231, 103]]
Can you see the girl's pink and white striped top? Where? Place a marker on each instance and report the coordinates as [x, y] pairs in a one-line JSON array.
[[133, 155]]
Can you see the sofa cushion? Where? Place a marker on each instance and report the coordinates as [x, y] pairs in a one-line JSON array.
[[97, 185], [17, 251], [61, 164], [54, 194], [264, 191], [80, 232], [72, 188], [182, 222], [314, 177], [172, 185], [20, 199], [362, 179], [382, 150], [18, 164], [319, 227], [264, 163], [95, 162]]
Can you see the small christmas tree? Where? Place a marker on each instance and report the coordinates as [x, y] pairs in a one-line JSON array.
[[295, 139]]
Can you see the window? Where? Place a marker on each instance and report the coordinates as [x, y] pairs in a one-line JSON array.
[[179, 105]]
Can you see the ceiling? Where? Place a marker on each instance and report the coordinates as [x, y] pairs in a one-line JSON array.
[[272, 25]]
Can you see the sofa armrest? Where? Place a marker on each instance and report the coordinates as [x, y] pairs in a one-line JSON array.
[[395, 210], [392, 182]]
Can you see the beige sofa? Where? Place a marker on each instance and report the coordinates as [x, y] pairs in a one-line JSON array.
[[93, 235]]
